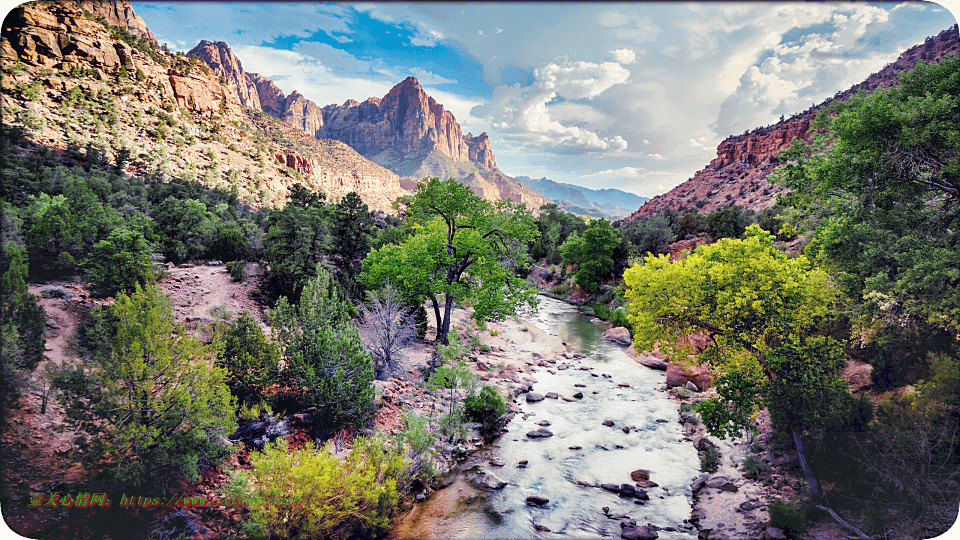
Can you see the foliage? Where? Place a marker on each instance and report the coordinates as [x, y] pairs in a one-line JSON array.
[[418, 439], [22, 320], [453, 374], [555, 226], [119, 263], [763, 312], [390, 325], [149, 404], [237, 270], [353, 227], [728, 223], [328, 498], [464, 248], [187, 228], [297, 242], [791, 517], [592, 253], [326, 366], [486, 407], [688, 226], [646, 235], [755, 468], [880, 183], [251, 362], [710, 460]]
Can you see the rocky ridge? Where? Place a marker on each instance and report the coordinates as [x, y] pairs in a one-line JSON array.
[[72, 80], [407, 131], [738, 175]]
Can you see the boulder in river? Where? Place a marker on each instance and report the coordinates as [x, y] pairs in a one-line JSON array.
[[608, 423], [540, 433], [534, 397], [651, 362], [551, 395], [618, 335], [644, 532], [640, 474], [536, 500], [492, 481], [611, 487]]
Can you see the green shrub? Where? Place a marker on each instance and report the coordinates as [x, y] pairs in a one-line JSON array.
[[486, 407], [236, 269], [322, 497], [791, 517], [119, 263], [250, 360], [754, 468], [710, 460], [619, 318], [418, 439]]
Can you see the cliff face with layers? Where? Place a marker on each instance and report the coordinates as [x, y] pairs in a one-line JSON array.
[[738, 175], [406, 131], [174, 115]]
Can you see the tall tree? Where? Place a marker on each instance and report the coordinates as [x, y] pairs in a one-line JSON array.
[[298, 240], [592, 253], [465, 250], [763, 312]]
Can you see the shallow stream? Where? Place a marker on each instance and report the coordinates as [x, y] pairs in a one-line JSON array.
[[606, 454]]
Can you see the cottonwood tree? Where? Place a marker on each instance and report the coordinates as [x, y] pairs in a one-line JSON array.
[[763, 312], [592, 253], [390, 325], [465, 250]]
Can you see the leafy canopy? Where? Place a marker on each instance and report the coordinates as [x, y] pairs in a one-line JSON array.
[[762, 311], [464, 249]]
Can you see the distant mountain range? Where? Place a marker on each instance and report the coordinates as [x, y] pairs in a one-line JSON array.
[[611, 204]]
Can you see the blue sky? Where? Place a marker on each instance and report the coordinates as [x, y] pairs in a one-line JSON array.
[[630, 96]]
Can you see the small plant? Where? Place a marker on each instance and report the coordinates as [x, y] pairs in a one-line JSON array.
[[755, 468], [494, 333], [710, 460], [237, 270], [524, 329], [485, 348], [486, 407], [55, 292], [789, 516]]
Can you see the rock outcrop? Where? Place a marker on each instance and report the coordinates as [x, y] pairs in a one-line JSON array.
[[120, 13], [157, 98], [738, 175], [302, 114], [225, 64]]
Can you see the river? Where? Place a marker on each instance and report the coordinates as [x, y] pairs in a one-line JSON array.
[[568, 467]]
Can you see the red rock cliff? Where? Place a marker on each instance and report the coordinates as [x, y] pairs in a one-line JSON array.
[[738, 175]]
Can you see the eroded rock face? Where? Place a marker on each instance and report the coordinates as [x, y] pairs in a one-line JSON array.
[[225, 64], [480, 151], [302, 114], [738, 175], [120, 13]]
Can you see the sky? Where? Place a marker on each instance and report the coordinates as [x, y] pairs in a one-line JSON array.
[[634, 96]]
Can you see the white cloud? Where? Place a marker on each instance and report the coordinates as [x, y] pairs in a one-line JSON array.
[[522, 112], [624, 56]]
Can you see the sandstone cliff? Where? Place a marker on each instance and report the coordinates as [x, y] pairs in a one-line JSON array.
[[738, 175], [71, 80], [406, 131], [120, 13]]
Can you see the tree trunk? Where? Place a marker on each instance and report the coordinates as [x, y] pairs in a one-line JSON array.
[[447, 310], [813, 487]]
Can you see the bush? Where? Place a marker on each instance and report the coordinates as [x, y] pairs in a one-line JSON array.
[[710, 460], [791, 517], [236, 269], [313, 494], [250, 360], [486, 407], [119, 263], [419, 441], [754, 468]]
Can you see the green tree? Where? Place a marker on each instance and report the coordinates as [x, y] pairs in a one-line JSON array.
[[881, 183], [353, 229], [251, 362], [592, 253], [647, 235], [22, 320], [728, 223], [187, 228], [325, 364], [298, 240], [764, 313], [150, 405], [465, 249], [119, 262], [555, 227]]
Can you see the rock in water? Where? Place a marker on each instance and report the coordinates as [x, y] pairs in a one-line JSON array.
[[640, 474], [540, 433], [644, 532], [536, 500], [618, 335], [492, 481], [534, 397]]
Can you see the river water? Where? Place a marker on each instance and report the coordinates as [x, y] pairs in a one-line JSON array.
[[557, 471]]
